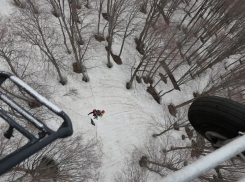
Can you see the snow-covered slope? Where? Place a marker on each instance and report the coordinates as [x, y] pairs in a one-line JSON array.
[[125, 124]]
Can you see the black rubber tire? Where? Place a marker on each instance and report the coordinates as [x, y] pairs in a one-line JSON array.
[[211, 113]]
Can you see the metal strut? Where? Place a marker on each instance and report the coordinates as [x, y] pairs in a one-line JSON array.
[[45, 135], [208, 162]]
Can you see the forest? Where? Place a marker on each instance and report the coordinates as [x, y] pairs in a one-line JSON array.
[[166, 52]]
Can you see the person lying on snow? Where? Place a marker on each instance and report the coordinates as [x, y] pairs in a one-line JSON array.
[[97, 113]]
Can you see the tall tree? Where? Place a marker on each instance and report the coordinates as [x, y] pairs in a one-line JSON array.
[[72, 26], [115, 9], [35, 28]]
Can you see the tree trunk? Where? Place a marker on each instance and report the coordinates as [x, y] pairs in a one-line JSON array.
[[170, 75], [50, 55], [100, 10], [129, 84], [64, 36]]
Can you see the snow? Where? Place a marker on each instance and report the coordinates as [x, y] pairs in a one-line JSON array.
[[5, 7], [124, 125], [241, 180], [128, 113]]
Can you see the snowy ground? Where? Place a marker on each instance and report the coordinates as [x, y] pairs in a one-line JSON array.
[[125, 124], [5, 7]]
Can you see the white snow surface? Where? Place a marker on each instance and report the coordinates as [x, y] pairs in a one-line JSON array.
[[125, 124], [6, 7]]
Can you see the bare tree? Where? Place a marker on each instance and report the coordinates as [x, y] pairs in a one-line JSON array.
[[224, 83], [167, 8], [99, 36], [131, 171], [143, 5], [71, 159], [19, 61], [171, 123], [205, 39], [130, 16], [88, 4], [164, 154], [72, 25], [153, 12], [19, 3], [152, 45], [7, 50], [35, 29], [159, 158], [115, 8], [57, 11]]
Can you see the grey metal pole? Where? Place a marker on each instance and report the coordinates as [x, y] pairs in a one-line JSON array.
[[208, 162]]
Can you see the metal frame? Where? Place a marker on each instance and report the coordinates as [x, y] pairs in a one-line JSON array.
[[229, 149], [46, 135]]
